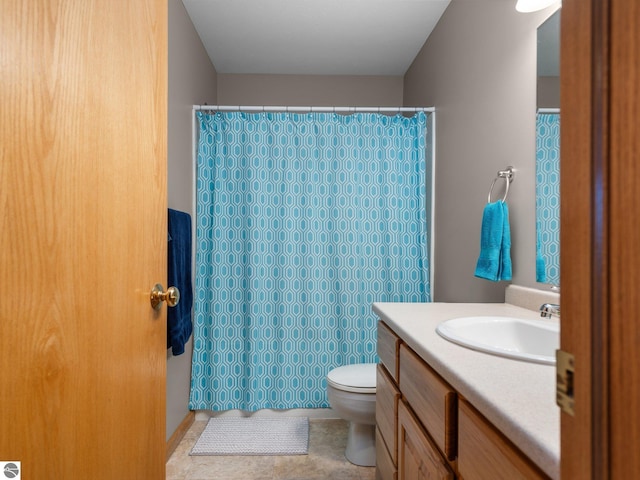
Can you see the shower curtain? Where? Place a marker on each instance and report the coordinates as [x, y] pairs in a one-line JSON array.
[[548, 198], [303, 221]]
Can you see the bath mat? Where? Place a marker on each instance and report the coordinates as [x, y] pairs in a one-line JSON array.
[[254, 436]]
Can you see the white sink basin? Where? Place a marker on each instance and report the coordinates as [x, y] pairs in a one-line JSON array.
[[529, 340]]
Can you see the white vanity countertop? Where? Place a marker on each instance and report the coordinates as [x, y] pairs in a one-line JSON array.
[[516, 396]]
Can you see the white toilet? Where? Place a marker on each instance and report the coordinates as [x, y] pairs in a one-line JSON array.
[[352, 395]]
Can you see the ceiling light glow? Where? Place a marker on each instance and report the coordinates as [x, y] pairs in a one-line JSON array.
[[527, 6]]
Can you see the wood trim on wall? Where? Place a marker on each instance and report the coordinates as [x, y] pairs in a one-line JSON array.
[[180, 432]]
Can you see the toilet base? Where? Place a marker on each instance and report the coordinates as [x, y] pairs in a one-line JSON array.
[[361, 444]]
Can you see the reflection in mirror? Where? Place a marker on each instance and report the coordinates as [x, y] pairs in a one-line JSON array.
[[548, 152], [548, 196]]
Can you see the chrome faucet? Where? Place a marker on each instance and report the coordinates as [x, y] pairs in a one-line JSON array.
[[548, 310]]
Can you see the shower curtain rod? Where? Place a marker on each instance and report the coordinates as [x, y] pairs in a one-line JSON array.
[[548, 110], [241, 108]]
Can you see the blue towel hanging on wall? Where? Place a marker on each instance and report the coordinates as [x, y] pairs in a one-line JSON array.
[[179, 324], [494, 261]]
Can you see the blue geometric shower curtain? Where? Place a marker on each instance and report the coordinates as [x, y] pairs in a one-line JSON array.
[[303, 221], [548, 198]]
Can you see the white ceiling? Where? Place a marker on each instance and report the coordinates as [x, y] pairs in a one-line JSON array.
[[314, 37]]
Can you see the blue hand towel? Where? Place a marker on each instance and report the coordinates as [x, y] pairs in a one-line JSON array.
[[541, 268], [179, 326], [494, 261]]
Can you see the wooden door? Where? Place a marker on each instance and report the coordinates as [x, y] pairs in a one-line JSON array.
[[83, 92], [600, 209]]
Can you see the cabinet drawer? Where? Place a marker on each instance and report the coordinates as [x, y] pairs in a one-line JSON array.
[[484, 453], [387, 396], [434, 402], [385, 469], [388, 344], [418, 457]]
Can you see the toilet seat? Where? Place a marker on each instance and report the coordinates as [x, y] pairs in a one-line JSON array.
[[357, 378]]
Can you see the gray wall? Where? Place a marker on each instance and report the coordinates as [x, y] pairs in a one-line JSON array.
[[478, 68], [192, 80], [309, 90], [548, 92]]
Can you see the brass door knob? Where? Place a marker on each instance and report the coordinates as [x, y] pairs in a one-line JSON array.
[[158, 295]]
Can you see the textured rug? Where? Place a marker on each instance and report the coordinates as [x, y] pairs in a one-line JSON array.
[[254, 436]]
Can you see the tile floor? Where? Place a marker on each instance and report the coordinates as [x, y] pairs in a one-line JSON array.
[[325, 461]]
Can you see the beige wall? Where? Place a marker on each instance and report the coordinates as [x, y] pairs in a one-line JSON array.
[[478, 68], [309, 90], [192, 80]]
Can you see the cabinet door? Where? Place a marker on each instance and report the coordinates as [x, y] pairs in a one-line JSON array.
[[387, 397], [418, 457], [485, 454], [433, 401], [385, 469]]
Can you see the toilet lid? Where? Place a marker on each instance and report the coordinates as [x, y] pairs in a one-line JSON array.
[[359, 378]]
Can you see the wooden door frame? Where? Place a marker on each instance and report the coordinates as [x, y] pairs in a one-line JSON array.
[[576, 240], [600, 262]]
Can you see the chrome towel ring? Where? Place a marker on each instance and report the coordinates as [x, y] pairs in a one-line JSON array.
[[508, 174]]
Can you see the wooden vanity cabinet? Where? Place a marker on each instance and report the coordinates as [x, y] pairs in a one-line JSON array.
[[387, 398], [415, 415], [425, 430]]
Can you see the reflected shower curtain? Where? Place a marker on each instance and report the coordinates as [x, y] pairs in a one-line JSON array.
[[303, 221], [548, 198]]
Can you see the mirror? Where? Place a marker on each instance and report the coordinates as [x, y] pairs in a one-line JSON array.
[[548, 152]]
